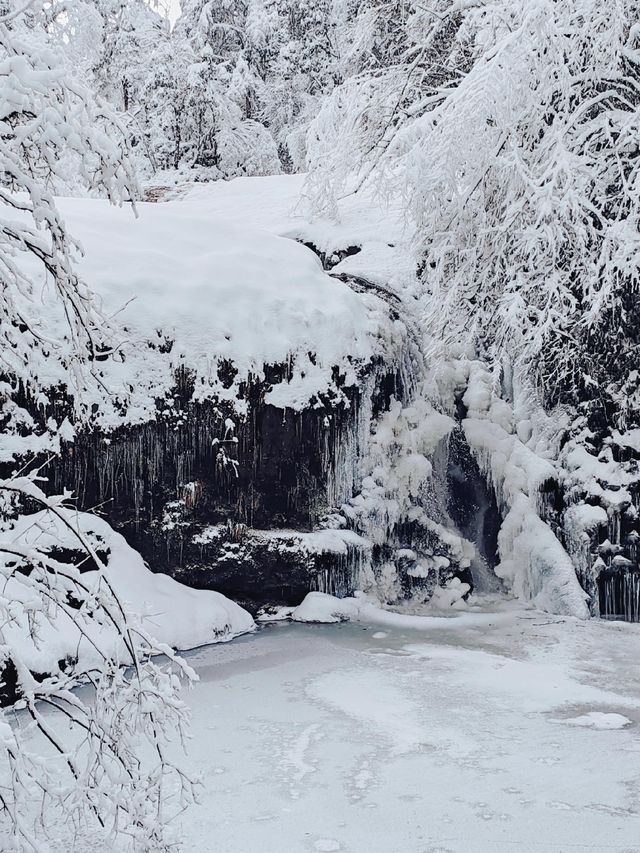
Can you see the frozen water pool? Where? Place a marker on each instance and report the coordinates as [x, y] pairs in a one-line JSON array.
[[506, 730]]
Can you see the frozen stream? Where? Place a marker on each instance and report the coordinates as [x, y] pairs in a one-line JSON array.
[[509, 731]]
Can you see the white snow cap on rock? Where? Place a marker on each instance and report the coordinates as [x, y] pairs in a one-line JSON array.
[[194, 290]]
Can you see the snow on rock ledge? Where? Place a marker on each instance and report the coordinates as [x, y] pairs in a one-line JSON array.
[[170, 612], [195, 292]]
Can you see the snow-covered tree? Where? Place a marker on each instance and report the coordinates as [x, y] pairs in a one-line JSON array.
[[66, 756], [229, 91], [392, 60], [512, 130], [219, 130], [306, 67], [117, 46]]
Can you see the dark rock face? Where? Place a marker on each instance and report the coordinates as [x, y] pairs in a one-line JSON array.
[[226, 502], [195, 490], [231, 503], [472, 505], [274, 566], [619, 593], [9, 692]]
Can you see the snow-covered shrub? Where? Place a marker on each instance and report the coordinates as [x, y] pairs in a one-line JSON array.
[[68, 757]]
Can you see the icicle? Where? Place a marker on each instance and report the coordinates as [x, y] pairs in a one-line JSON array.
[[614, 526], [620, 595]]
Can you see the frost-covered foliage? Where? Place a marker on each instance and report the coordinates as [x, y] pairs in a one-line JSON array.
[[99, 761], [258, 73], [51, 124], [66, 758], [514, 130], [218, 130], [188, 97], [229, 91]]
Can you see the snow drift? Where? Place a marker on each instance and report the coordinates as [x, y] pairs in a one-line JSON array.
[[173, 614]]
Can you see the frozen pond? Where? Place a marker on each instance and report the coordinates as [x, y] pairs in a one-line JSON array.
[[507, 731]]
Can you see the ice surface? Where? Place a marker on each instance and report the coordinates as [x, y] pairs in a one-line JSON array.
[[449, 734]]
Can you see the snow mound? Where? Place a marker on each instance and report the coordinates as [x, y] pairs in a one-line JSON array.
[[321, 607], [198, 291], [171, 613], [599, 720], [324, 608]]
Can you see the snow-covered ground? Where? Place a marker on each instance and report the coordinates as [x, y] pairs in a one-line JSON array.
[[496, 729], [506, 729]]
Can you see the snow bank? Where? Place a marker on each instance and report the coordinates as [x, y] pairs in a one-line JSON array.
[[320, 607], [321, 541], [327, 540], [173, 614], [276, 204]]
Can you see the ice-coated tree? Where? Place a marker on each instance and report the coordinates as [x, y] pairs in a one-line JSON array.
[[512, 129], [118, 46], [305, 69], [96, 759], [220, 130], [230, 91], [257, 72]]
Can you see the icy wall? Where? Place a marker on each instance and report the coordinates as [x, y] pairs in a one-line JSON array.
[[566, 483], [599, 516], [230, 500], [369, 487]]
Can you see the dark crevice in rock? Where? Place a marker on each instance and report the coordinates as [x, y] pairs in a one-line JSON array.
[[331, 259], [473, 508]]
